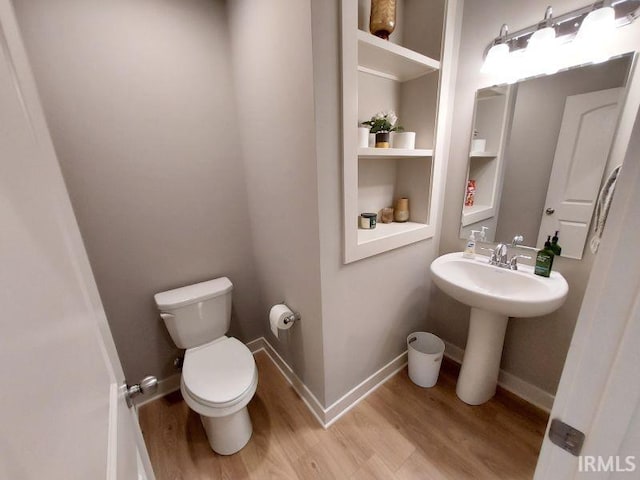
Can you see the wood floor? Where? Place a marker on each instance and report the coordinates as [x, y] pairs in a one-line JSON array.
[[400, 431]]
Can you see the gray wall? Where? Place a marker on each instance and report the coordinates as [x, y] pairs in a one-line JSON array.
[[535, 349], [370, 306], [535, 129], [271, 48], [139, 100]]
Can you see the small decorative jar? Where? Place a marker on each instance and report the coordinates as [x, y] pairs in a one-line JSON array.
[[368, 221], [382, 140], [401, 211], [386, 215], [382, 22]]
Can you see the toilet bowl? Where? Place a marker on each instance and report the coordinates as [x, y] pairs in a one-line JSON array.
[[219, 373], [218, 381]]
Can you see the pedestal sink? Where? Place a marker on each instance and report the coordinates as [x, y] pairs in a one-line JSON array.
[[494, 294]]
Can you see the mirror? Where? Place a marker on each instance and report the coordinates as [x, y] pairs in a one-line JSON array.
[[540, 154]]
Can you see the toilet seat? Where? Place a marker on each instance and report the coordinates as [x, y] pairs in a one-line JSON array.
[[219, 375]]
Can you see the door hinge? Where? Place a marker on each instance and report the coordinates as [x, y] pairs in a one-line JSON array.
[[566, 437]]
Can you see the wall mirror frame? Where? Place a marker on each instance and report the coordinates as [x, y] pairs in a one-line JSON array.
[[541, 151]]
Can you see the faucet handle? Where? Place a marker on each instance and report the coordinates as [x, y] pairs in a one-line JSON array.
[[513, 263], [492, 254]]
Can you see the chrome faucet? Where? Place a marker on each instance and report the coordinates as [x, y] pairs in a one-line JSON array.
[[499, 256]]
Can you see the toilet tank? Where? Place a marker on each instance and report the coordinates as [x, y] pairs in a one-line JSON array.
[[196, 314]]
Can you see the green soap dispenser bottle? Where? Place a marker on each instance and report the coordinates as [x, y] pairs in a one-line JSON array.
[[544, 259], [555, 248]]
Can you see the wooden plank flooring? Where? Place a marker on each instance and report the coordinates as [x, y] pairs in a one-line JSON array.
[[399, 432]]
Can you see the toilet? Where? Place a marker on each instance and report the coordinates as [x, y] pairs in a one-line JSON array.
[[219, 374]]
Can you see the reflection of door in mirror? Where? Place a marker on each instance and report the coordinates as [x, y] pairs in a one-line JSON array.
[[587, 129], [520, 172]]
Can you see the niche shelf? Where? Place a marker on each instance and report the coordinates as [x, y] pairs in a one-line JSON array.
[[393, 152], [483, 154], [389, 60], [476, 213], [386, 230], [384, 75]]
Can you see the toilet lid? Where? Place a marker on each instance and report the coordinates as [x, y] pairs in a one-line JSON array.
[[218, 372]]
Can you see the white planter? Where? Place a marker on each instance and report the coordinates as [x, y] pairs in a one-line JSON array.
[[363, 137], [478, 145], [406, 140]]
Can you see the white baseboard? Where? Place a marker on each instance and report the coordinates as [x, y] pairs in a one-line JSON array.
[[528, 392], [327, 416], [358, 393], [313, 404]]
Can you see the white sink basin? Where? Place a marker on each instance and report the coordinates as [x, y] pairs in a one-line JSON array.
[[518, 293], [494, 294]]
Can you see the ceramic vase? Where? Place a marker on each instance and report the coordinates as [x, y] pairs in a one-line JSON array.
[[383, 18], [401, 210]]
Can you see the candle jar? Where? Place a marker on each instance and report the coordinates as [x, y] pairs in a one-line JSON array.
[[368, 221]]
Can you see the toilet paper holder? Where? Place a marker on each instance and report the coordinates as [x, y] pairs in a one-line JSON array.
[[294, 317]]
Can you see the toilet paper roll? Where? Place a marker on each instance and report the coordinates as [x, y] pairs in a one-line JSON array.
[[276, 318]]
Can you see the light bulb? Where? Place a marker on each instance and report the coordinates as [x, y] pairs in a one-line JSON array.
[[496, 60], [516, 67], [596, 30], [541, 52]]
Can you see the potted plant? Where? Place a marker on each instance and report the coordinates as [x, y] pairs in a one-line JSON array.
[[383, 123]]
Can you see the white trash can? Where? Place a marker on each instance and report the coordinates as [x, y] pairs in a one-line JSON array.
[[425, 358]]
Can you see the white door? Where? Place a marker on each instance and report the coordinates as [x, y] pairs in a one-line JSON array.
[[62, 410], [599, 392], [588, 124]]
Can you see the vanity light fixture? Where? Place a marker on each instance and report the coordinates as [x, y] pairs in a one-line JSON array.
[[582, 34], [595, 33], [498, 55], [541, 53]]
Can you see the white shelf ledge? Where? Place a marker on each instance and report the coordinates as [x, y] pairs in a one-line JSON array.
[[393, 152], [483, 154], [476, 213], [386, 230], [389, 60]]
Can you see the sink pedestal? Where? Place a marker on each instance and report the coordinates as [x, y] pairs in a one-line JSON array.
[[481, 364]]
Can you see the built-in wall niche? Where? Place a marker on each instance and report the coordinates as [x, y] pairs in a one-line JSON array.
[[414, 101], [403, 75], [382, 181]]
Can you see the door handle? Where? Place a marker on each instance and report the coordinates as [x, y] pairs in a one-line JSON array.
[[550, 211]]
